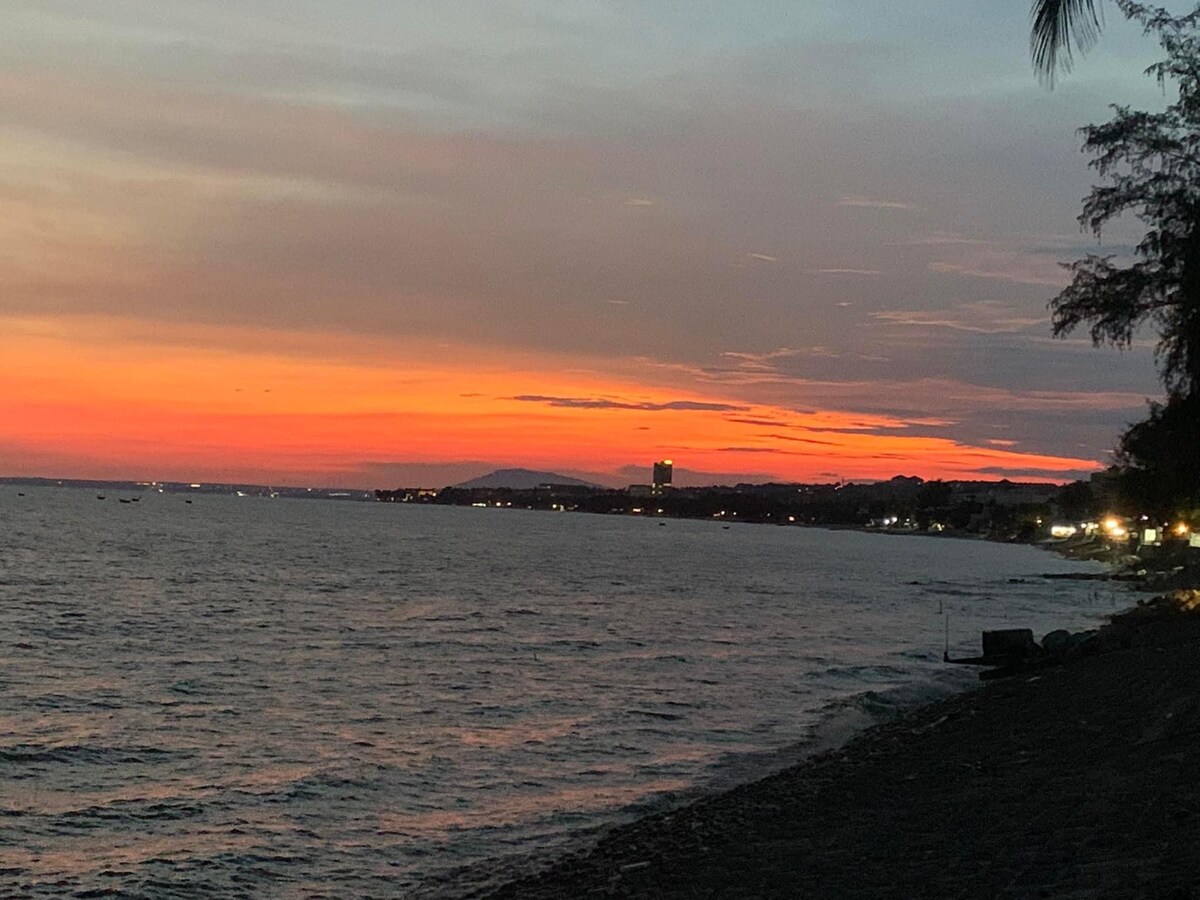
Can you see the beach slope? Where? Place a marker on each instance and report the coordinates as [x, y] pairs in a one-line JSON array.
[[1074, 781]]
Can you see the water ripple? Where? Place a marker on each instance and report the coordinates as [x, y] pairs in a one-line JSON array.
[[241, 697]]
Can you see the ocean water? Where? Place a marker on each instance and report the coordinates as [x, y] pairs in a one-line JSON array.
[[251, 697]]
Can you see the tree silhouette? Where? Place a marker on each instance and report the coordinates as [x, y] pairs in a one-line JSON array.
[[1150, 163], [1159, 469], [1150, 167]]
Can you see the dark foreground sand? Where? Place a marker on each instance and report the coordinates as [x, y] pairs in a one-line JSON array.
[[1081, 780]]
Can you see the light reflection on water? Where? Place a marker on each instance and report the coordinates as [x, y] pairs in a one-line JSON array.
[[242, 695]]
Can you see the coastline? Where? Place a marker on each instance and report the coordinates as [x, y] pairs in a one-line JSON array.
[[1075, 780]]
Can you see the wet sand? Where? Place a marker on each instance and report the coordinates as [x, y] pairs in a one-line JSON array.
[[1081, 780]]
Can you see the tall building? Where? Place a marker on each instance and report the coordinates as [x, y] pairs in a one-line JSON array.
[[662, 475]]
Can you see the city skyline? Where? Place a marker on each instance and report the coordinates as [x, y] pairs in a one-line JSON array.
[[407, 244]]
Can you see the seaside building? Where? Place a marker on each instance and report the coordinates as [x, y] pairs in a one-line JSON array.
[[662, 475]]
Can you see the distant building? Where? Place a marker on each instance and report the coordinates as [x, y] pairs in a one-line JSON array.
[[662, 475]]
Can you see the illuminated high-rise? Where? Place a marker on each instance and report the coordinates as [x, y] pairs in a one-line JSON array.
[[662, 475]]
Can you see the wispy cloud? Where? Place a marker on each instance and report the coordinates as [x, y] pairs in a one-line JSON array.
[[764, 361], [768, 361], [937, 239], [601, 403], [870, 203], [639, 201], [983, 317], [1011, 270]]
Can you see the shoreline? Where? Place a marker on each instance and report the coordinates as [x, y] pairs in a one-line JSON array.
[[841, 724], [1098, 552], [1073, 780]]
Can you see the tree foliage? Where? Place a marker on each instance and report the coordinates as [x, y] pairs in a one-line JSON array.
[[1077, 500], [1150, 164], [1159, 469]]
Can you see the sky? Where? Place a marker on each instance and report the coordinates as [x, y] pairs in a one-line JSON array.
[[376, 244]]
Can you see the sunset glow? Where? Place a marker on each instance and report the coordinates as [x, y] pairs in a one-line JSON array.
[[224, 411], [279, 245]]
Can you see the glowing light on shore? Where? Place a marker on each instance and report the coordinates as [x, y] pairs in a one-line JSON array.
[[1115, 528]]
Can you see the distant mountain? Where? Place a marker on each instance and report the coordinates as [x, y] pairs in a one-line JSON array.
[[521, 480]]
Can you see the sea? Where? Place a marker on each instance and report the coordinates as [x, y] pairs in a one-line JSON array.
[[220, 696]]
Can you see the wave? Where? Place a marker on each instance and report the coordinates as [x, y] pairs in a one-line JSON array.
[[83, 754]]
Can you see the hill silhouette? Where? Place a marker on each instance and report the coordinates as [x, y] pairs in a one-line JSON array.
[[522, 480]]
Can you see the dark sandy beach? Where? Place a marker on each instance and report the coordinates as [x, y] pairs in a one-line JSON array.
[[1081, 780]]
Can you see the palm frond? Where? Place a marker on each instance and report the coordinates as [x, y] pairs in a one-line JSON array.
[[1057, 24]]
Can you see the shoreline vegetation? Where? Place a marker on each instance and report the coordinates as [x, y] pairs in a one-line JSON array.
[[1071, 781]]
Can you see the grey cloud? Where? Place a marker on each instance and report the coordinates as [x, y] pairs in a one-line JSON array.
[[488, 237], [803, 440], [769, 423], [596, 403]]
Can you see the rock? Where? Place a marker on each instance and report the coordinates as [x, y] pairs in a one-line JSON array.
[[1009, 643], [1082, 639], [1057, 641]]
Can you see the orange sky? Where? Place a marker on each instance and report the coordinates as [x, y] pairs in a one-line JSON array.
[[93, 397]]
